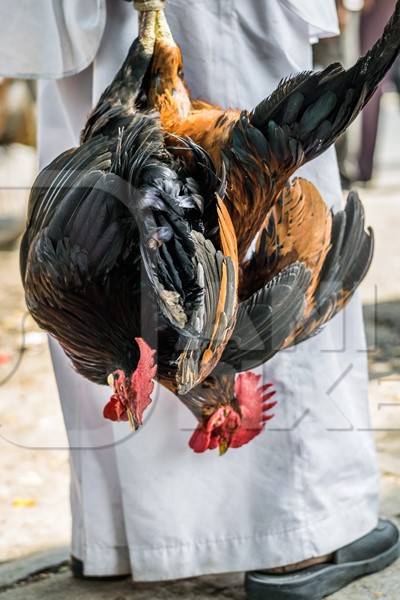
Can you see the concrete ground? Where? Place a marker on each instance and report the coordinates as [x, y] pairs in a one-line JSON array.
[[34, 511]]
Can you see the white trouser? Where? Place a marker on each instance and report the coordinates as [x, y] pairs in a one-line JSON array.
[[146, 503]]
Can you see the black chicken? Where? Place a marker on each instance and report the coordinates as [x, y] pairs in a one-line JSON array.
[[115, 254]]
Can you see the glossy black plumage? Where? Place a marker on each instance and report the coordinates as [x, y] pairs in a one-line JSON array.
[[267, 319], [114, 242]]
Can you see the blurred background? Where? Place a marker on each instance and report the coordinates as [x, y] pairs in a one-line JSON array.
[[34, 481]]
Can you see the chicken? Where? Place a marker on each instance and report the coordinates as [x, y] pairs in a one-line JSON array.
[[116, 262], [313, 260]]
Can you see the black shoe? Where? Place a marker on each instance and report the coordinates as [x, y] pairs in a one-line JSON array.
[[77, 569], [365, 556]]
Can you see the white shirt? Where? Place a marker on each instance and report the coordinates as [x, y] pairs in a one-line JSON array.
[[49, 38], [57, 38]]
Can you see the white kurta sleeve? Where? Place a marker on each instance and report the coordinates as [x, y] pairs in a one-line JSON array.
[[320, 16], [49, 38]]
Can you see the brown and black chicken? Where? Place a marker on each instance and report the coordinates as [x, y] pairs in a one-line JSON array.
[[115, 260], [259, 151], [137, 240]]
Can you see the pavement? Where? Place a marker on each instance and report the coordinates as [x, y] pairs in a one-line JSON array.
[[34, 509], [54, 582]]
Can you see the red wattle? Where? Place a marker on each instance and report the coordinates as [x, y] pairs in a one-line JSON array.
[[200, 440], [115, 410]]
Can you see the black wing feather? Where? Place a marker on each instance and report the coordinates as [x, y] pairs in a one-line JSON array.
[[313, 109], [267, 319]]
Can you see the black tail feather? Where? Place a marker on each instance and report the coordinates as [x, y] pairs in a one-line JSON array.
[[312, 110]]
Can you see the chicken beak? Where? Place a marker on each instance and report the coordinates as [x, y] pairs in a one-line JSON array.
[[223, 447], [110, 380], [132, 420]]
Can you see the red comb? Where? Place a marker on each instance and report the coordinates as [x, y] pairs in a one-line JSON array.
[[253, 400], [142, 383]]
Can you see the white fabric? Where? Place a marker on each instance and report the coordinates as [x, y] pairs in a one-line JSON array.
[[56, 38], [145, 503], [319, 15], [49, 38]]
